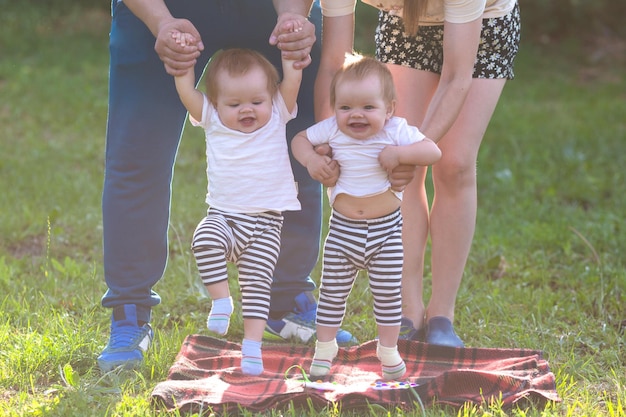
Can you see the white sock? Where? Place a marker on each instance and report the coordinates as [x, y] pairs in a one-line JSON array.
[[251, 360], [393, 365], [219, 317], [325, 352]]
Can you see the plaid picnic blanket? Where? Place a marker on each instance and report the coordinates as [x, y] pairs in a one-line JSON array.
[[206, 376]]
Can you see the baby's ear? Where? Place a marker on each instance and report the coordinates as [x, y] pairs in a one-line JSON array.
[[391, 109]]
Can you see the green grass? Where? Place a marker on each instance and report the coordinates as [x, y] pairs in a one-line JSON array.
[[547, 269]]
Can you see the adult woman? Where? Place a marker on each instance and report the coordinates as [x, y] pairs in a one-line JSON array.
[[450, 60]]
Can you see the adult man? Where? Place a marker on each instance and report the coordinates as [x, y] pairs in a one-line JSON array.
[[143, 132]]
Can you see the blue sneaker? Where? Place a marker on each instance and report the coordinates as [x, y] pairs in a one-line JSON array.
[[128, 340], [300, 323]]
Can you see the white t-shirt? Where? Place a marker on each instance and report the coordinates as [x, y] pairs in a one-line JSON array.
[[360, 172], [453, 11], [249, 172]]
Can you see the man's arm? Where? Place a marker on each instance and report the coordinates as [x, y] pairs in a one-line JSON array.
[[300, 7], [157, 17]]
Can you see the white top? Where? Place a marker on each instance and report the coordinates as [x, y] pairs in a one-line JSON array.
[[453, 11], [360, 172], [249, 172]]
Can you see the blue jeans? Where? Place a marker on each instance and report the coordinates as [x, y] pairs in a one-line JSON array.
[[144, 127]]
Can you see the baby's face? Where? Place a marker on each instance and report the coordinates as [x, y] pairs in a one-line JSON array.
[[243, 102], [360, 108]]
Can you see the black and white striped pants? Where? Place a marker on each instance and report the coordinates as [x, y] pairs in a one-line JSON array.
[[351, 245], [251, 242]]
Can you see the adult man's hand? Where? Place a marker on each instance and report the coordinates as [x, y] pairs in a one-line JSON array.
[[294, 45], [177, 58]]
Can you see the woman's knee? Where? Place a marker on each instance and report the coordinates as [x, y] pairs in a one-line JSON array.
[[455, 171]]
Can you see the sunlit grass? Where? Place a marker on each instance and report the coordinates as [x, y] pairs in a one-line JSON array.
[[546, 271]]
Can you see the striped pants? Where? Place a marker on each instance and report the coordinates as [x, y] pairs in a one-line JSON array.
[[251, 242], [351, 245]]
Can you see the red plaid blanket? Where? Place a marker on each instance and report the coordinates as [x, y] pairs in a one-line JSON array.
[[206, 376]]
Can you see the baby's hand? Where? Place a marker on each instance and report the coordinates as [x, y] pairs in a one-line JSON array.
[[401, 176], [292, 26], [183, 39], [321, 168], [388, 158]]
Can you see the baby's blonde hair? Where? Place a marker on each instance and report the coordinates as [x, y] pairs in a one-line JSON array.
[[237, 62], [358, 67]]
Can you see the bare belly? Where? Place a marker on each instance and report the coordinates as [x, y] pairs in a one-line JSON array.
[[367, 207]]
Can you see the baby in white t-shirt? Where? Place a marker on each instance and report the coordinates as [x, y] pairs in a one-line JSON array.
[[250, 182], [365, 230]]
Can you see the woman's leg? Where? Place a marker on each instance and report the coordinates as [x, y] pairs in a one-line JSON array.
[[413, 106], [453, 212], [414, 236]]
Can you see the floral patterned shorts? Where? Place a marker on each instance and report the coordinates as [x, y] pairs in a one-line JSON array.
[[498, 47]]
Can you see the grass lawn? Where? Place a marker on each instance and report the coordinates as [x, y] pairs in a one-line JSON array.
[[547, 269]]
